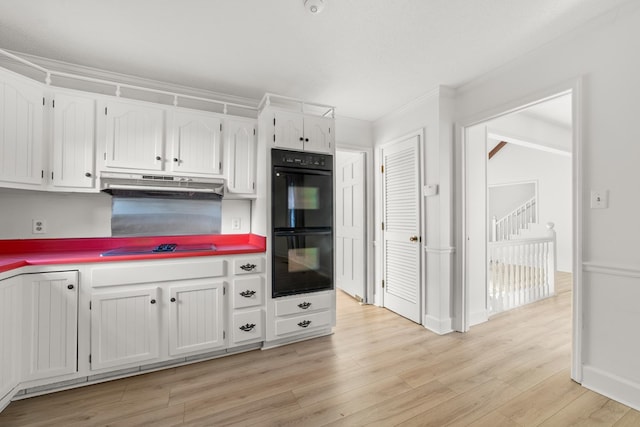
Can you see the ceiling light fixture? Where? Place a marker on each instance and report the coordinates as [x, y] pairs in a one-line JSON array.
[[314, 6]]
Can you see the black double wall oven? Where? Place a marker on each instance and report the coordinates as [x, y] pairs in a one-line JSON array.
[[302, 222]]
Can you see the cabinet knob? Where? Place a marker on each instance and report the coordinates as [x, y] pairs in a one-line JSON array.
[[152, 301], [304, 305], [306, 140], [248, 327], [172, 300], [70, 287], [175, 159], [301, 139], [158, 158], [304, 323], [248, 293], [88, 174], [248, 267]]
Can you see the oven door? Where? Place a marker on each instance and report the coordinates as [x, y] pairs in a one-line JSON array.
[[302, 198], [302, 262]]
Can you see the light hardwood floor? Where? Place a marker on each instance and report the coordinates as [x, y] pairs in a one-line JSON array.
[[377, 369]]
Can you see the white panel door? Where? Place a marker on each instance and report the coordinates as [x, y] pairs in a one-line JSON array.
[[196, 317], [195, 143], [51, 324], [317, 134], [401, 236], [350, 223], [134, 136], [125, 327], [21, 131], [73, 141], [10, 333], [240, 152], [289, 130]]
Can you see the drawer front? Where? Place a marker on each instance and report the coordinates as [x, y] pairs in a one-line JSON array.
[[248, 265], [303, 304], [247, 326], [248, 291], [303, 323]]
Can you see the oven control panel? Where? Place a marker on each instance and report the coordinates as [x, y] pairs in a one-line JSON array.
[[300, 159]]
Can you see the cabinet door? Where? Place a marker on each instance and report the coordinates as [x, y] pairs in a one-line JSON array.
[[196, 317], [10, 333], [125, 327], [195, 143], [73, 141], [240, 149], [288, 130], [134, 136], [21, 131], [317, 134], [51, 324]]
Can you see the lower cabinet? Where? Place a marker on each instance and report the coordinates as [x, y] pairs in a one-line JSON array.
[[50, 324], [10, 334], [298, 315]]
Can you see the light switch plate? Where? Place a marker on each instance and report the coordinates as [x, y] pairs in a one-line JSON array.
[[599, 199]]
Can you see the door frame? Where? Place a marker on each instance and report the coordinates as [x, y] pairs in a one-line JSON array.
[[379, 254], [368, 296], [461, 303]]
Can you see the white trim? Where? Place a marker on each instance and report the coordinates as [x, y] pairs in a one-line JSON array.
[[438, 326], [511, 139], [615, 387], [431, 250], [416, 102], [611, 270], [478, 317]]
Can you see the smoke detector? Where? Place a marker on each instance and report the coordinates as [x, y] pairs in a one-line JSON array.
[[314, 6]]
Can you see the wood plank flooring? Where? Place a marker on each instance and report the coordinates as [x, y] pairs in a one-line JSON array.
[[377, 369]]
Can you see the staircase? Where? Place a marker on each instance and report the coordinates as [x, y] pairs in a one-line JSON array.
[[515, 222]]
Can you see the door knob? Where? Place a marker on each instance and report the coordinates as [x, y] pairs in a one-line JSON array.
[[413, 238]]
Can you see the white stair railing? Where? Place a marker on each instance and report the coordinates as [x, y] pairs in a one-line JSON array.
[[511, 224], [521, 271]]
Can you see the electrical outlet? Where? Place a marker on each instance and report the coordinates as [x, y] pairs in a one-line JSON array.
[[38, 226], [235, 223], [599, 199]]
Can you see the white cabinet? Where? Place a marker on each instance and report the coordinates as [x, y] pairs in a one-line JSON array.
[[133, 136], [21, 131], [302, 314], [73, 142], [240, 156], [50, 324], [302, 132], [125, 327], [196, 321], [10, 334], [195, 141], [247, 298]]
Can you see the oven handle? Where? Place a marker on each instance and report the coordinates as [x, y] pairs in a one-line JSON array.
[[302, 171], [302, 232]]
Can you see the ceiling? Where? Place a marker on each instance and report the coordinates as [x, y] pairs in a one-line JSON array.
[[366, 57]]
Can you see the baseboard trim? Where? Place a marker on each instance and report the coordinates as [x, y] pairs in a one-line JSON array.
[[438, 326], [478, 317], [617, 388]]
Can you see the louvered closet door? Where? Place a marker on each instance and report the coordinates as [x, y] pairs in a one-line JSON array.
[[401, 235]]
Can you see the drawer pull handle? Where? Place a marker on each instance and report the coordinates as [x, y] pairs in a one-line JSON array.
[[248, 267], [248, 327], [304, 323], [247, 293], [304, 305]]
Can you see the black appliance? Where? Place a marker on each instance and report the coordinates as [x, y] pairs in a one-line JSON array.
[[302, 222]]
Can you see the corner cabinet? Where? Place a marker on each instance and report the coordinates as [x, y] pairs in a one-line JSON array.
[[21, 131], [50, 324], [302, 132], [240, 155]]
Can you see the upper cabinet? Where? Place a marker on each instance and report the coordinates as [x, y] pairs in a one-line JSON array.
[[21, 131], [73, 142], [240, 155], [195, 141], [133, 136], [302, 132]]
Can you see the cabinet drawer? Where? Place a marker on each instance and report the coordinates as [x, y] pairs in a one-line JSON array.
[[303, 304], [247, 326], [247, 291], [248, 265], [304, 322]]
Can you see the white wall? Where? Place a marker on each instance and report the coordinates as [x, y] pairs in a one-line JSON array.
[[70, 215], [353, 133], [604, 54]]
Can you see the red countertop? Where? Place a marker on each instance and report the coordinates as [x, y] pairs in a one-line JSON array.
[[20, 253]]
